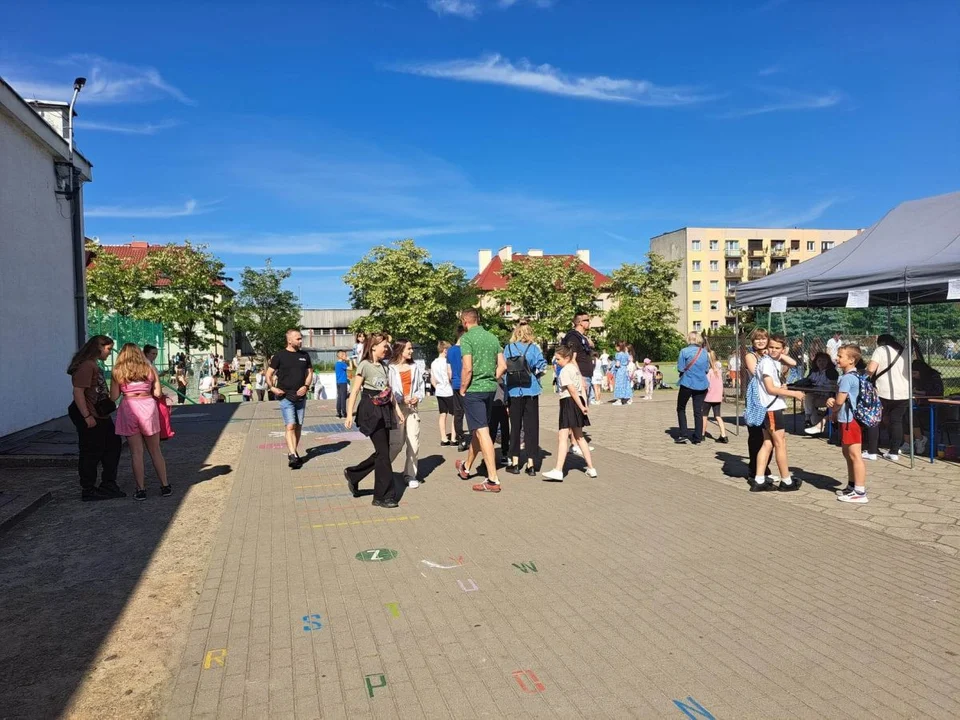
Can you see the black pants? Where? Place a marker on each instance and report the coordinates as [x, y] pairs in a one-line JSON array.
[[458, 414], [341, 400], [260, 394], [894, 412], [683, 397], [525, 414], [754, 443], [181, 394], [99, 446], [499, 420], [379, 463]]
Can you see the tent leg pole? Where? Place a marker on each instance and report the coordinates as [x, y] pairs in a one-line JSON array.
[[736, 382], [909, 347]]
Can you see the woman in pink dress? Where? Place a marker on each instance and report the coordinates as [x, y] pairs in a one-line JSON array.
[[138, 418], [714, 398]]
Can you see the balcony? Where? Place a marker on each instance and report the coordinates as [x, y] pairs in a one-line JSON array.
[[779, 252], [756, 273], [732, 252], [756, 252], [733, 273]]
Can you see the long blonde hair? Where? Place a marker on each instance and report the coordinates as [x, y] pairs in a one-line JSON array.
[[131, 365], [713, 361], [522, 333]]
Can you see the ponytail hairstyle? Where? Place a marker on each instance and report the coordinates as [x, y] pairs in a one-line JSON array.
[[90, 351], [564, 351], [372, 339]]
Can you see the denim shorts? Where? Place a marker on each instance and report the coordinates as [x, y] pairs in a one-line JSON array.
[[293, 410]]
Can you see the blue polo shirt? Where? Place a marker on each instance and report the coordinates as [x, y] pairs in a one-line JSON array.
[[455, 360], [340, 368]]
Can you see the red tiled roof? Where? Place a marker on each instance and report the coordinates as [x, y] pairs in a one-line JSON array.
[[133, 254], [491, 279]]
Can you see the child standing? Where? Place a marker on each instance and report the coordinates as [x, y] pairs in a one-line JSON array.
[[440, 373], [573, 414], [851, 434], [771, 393], [343, 383], [714, 398], [597, 379], [649, 372]]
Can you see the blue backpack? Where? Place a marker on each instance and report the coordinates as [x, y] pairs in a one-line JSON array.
[[868, 410], [753, 411]]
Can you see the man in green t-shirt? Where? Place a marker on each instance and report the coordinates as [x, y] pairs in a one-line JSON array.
[[483, 366]]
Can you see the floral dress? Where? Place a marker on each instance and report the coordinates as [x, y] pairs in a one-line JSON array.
[[623, 386]]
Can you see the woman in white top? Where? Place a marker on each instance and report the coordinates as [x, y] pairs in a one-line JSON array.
[[260, 383], [409, 389], [888, 367], [440, 372]]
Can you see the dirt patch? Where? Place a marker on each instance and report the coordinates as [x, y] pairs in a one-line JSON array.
[[98, 597]]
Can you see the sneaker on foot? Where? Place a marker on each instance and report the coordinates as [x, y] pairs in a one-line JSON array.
[[892, 457], [854, 497], [868, 456], [553, 475], [461, 468], [591, 472], [389, 504], [293, 462], [814, 429], [111, 490], [351, 484], [413, 483], [575, 449], [487, 487], [905, 448], [140, 495], [920, 446], [723, 440], [794, 485], [682, 440], [765, 486], [166, 490], [91, 494], [848, 490]]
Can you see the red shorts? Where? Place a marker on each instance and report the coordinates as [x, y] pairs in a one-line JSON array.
[[851, 433]]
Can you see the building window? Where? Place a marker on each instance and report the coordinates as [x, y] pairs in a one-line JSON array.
[[778, 266], [714, 285], [714, 265], [733, 267], [827, 245], [714, 244], [756, 265], [696, 286], [694, 244], [733, 246], [697, 325], [811, 246], [714, 324], [598, 304], [696, 266], [794, 244], [696, 306], [714, 304]]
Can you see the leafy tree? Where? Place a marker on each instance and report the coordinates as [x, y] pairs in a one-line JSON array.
[[264, 310], [547, 291], [114, 285], [190, 295], [407, 294], [645, 313]]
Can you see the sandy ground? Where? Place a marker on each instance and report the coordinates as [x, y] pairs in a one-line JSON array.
[[97, 597]]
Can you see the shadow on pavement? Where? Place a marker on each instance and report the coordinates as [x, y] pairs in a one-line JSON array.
[[318, 450], [428, 464], [68, 572]]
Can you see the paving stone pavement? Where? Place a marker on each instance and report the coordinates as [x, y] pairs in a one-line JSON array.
[[651, 591]]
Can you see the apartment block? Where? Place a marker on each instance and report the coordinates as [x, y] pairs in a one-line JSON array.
[[715, 260]]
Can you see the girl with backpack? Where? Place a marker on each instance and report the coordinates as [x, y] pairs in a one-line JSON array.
[[758, 348], [888, 369], [525, 365]]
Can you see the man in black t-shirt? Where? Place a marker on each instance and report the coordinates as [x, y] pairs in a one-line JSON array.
[[290, 375]]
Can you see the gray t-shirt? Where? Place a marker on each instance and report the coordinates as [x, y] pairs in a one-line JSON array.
[[374, 375]]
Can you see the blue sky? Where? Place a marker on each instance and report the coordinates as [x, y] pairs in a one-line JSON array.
[[313, 132]]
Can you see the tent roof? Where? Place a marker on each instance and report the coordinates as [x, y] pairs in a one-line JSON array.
[[914, 248]]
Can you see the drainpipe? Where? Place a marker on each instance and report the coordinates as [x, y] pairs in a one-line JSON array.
[[76, 227]]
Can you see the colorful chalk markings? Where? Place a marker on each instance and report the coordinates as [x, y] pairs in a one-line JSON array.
[[394, 608], [311, 623], [697, 710], [370, 686], [474, 587], [215, 657], [523, 677], [377, 555], [524, 567]]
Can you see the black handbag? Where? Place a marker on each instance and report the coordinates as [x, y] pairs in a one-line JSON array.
[[105, 407]]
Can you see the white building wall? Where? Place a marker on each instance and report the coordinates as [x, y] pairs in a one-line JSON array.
[[37, 331]]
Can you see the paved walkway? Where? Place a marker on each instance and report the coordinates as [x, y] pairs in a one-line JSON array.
[[655, 590]]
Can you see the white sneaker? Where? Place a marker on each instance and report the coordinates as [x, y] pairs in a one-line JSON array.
[[905, 448], [892, 457], [854, 497], [920, 446], [591, 472], [629, 402], [575, 449], [868, 456], [553, 475], [413, 483]]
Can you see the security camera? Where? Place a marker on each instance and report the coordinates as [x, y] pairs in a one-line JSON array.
[[79, 83]]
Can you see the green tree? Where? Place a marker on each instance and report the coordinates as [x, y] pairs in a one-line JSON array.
[[547, 291], [645, 313], [115, 286], [264, 310], [408, 295], [189, 295]]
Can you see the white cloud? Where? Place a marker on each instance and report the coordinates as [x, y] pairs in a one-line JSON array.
[[136, 129], [769, 70], [497, 70], [108, 82], [782, 99], [461, 8], [619, 238], [294, 268], [156, 212]]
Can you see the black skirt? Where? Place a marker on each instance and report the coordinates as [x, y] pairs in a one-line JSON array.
[[370, 417], [570, 415]]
